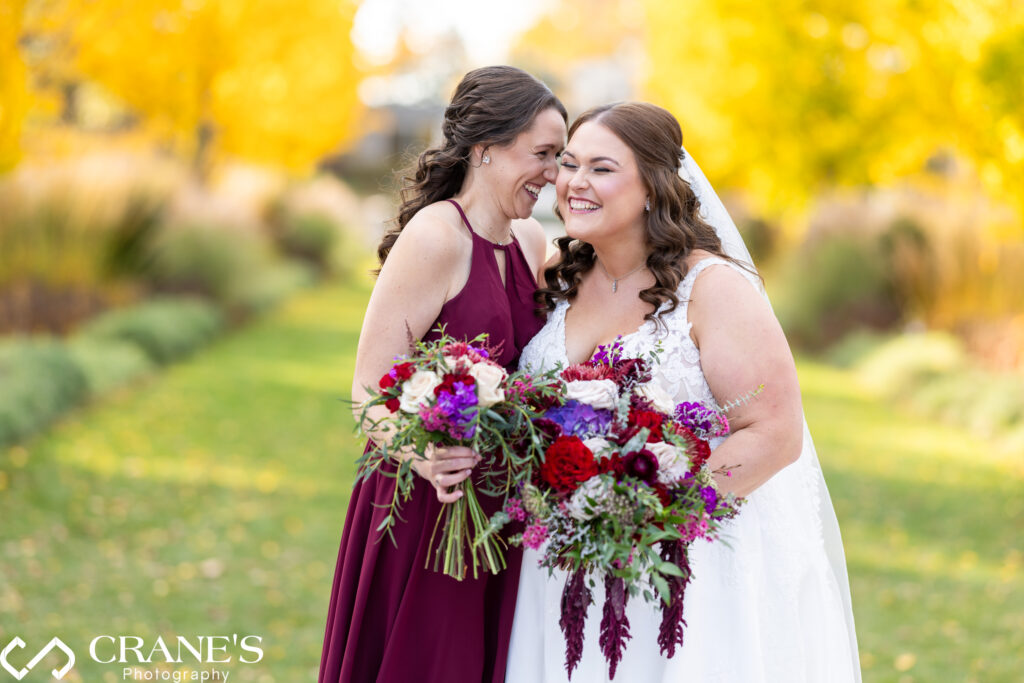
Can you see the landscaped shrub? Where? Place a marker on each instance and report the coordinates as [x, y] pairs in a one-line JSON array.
[[908, 361], [310, 237], [834, 284], [108, 363], [165, 329], [271, 285], [39, 380], [205, 260]]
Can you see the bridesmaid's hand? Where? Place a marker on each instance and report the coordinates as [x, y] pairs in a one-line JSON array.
[[445, 467]]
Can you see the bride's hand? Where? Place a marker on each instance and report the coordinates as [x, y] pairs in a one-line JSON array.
[[445, 467]]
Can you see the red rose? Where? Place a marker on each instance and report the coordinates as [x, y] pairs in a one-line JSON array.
[[447, 384], [638, 419], [403, 371], [393, 404], [386, 382], [613, 465], [567, 463], [663, 495]]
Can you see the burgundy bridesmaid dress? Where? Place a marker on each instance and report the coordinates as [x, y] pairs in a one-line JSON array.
[[391, 620]]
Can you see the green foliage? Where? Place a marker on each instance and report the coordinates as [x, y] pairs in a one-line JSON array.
[[832, 285], [108, 363], [932, 373], [165, 329], [309, 237], [271, 285], [235, 269], [905, 362], [39, 380]]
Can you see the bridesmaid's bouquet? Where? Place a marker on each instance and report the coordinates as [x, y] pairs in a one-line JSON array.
[[451, 393], [622, 490]]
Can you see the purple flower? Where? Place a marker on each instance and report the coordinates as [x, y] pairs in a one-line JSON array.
[[460, 405], [607, 354], [710, 496], [704, 422], [579, 419]]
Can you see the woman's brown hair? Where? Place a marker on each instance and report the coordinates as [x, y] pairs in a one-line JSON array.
[[491, 106], [674, 225]]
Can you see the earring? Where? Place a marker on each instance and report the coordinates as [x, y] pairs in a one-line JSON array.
[[486, 159], [647, 204]]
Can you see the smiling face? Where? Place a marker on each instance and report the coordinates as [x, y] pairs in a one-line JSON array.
[[601, 195], [520, 170]]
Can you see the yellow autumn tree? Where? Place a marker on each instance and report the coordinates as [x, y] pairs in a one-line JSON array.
[[13, 80], [270, 81], [787, 98]]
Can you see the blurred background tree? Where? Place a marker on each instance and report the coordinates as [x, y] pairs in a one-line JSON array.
[[212, 79], [13, 83], [792, 99]]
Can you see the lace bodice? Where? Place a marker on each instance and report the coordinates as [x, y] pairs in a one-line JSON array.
[[678, 368]]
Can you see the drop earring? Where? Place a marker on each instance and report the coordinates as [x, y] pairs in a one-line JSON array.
[[486, 159], [647, 205]]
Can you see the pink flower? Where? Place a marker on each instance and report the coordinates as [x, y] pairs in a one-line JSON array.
[[535, 535], [514, 509]]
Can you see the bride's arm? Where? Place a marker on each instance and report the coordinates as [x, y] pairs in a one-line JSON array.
[[741, 347]]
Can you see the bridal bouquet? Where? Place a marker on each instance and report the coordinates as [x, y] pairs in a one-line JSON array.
[[622, 490], [447, 393]]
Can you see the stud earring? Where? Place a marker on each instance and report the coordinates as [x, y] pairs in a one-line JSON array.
[[486, 159], [647, 204]]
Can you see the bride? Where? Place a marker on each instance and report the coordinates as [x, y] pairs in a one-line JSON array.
[[655, 258]]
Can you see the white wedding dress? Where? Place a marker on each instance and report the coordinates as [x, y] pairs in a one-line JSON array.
[[771, 606]]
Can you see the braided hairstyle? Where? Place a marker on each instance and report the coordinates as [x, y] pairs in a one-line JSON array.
[[491, 106], [674, 225]]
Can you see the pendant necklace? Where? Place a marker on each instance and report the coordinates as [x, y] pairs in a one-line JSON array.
[[615, 280]]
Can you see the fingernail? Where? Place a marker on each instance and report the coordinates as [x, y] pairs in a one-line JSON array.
[[468, 472]]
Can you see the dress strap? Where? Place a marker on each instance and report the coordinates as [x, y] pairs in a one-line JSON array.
[[686, 286], [463, 214]]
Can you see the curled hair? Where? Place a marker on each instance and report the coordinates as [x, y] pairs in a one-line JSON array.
[[674, 226], [491, 106]]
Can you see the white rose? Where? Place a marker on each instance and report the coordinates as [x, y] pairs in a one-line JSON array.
[[596, 393], [672, 463], [598, 446], [596, 489], [417, 390], [658, 397], [488, 383]]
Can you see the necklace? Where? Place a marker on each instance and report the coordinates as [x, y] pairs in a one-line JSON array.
[[615, 280], [501, 242]]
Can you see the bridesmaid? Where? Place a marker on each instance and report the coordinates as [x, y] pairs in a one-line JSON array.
[[465, 253]]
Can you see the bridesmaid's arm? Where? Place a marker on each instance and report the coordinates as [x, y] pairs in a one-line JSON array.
[[428, 264], [741, 347]]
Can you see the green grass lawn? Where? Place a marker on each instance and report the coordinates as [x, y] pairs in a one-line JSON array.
[[210, 500]]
